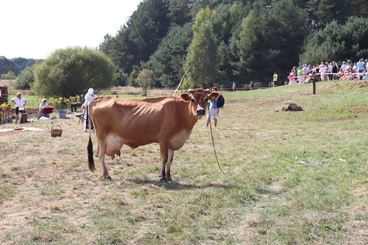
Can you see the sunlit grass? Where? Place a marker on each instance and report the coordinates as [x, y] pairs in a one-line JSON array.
[[293, 178]]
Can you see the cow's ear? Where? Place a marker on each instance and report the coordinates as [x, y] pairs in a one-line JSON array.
[[185, 97], [213, 95]]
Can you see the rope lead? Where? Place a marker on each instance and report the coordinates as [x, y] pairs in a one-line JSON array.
[[214, 150]]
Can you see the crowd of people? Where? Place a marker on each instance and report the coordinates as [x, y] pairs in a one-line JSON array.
[[345, 70]]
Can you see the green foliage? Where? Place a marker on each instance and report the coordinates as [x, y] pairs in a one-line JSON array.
[[202, 57], [239, 41], [133, 76], [70, 71], [121, 78], [25, 79], [7, 65], [179, 11], [338, 42], [144, 80], [273, 38], [23, 63], [10, 75], [63, 103], [168, 60], [139, 38]]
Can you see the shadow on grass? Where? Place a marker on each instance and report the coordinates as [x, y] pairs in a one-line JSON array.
[[173, 185]]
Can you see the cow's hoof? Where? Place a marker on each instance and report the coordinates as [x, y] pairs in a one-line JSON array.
[[163, 180], [107, 177], [169, 179]]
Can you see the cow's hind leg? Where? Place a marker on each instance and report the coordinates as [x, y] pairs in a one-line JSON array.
[[164, 156], [102, 159], [168, 165], [98, 150]]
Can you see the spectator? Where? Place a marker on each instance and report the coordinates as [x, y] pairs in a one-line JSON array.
[[44, 109], [20, 103], [90, 95], [335, 70], [323, 71], [329, 70], [300, 75], [360, 68], [291, 78], [275, 79]]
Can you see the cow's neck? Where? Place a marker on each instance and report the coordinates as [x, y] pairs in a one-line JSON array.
[[193, 119]]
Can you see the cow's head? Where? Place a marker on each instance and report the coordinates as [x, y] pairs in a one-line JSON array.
[[199, 99]]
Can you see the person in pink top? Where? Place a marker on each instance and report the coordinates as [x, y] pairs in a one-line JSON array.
[[292, 78]]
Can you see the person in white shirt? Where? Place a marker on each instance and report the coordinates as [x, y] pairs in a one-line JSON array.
[[90, 95], [20, 103]]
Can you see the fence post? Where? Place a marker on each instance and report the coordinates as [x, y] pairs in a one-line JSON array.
[[314, 86]]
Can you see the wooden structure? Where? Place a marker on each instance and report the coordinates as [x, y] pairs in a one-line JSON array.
[[3, 91]]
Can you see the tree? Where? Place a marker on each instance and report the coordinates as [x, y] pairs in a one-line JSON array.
[[7, 65], [133, 76], [168, 60], [202, 57], [270, 40], [144, 80], [138, 39], [25, 79], [337, 42], [179, 11], [9, 75], [68, 72]]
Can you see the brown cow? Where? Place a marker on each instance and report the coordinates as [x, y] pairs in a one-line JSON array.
[[167, 120]]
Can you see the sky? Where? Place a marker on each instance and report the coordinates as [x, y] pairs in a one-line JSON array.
[[36, 28]]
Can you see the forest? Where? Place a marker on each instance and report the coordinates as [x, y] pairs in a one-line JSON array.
[[217, 42]]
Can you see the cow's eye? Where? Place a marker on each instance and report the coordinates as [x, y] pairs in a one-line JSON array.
[[193, 100], [206, 99]]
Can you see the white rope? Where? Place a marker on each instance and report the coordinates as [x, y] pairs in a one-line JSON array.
[[181, 80]]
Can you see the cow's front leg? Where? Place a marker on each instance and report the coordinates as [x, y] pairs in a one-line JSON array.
[[164, 156], [168, 165]]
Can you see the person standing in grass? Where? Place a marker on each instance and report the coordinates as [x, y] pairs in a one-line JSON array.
[[275, 79], [20, 103], [214, 106]]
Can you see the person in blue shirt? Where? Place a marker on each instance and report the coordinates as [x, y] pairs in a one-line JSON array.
[[360, 68]]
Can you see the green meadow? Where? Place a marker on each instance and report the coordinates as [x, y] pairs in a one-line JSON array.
[[291, 178]]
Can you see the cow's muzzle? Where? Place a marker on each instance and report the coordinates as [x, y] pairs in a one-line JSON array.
[[201, 112]]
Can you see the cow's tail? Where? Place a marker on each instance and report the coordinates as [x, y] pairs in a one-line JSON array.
[[91, 162]]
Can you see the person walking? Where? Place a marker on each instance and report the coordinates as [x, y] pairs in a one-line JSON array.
[[20, 103], [90, 95]]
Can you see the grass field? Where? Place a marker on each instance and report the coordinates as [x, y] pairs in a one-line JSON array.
[[293, 178]]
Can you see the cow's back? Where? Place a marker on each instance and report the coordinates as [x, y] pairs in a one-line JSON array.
[[136, 123]]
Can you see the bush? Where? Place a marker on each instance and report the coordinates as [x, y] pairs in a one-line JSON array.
[[71, 71]]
